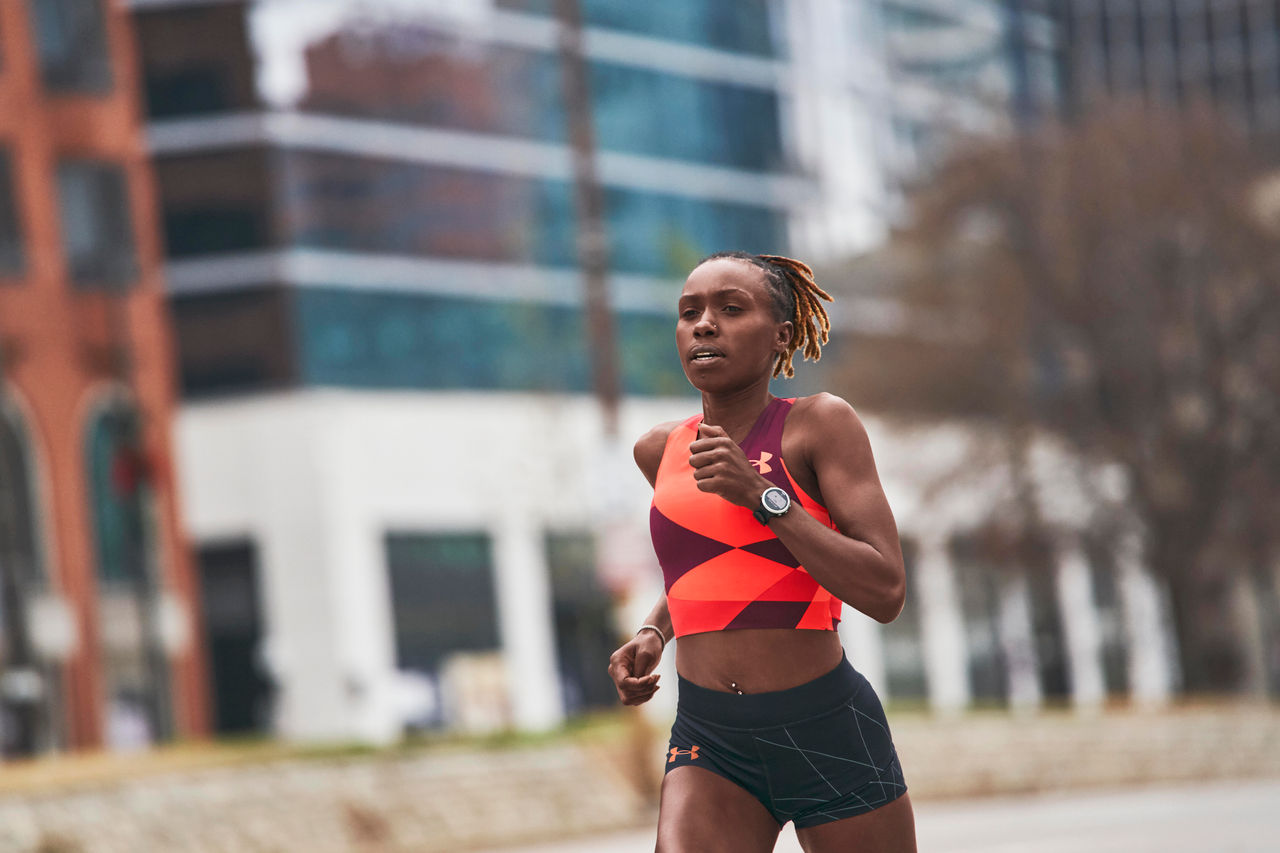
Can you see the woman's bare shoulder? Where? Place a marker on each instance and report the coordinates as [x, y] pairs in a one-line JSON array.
[[826, 408], [822, 417]]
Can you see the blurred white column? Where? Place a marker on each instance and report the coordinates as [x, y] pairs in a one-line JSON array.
[[1246, 612], [289, 488], [942, 628], [834, 119], [526, 623], [1148, 652], [860, 635], [1017, 641], [1080, 626]]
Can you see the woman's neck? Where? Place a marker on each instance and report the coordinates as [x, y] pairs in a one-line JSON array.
[[736, 412]]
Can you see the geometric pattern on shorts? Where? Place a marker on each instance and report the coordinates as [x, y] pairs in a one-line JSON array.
[[829, 796]]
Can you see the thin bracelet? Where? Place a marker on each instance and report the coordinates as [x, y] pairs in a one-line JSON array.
[[656, 630]]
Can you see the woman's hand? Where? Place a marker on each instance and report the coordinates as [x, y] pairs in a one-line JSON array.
[[721, 468], [631, 668]]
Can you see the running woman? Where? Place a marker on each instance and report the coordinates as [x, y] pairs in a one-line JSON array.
[[767, 514]]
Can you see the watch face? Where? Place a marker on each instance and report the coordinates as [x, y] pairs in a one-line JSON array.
[[775, 500]]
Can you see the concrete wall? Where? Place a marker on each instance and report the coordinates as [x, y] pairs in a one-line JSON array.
[[452, 799]]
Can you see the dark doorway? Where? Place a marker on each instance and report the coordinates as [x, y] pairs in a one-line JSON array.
[[978, 583], [585, 636], [444, 603], [231, 609], [903, 646], [1051, 644]]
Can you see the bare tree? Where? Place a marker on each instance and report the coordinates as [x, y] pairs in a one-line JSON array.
[[1114, 284]]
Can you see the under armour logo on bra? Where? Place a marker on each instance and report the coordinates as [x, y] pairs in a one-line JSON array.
[[692, 752], [762, 464]]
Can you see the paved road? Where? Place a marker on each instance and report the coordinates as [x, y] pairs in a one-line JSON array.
[[1217, 817]]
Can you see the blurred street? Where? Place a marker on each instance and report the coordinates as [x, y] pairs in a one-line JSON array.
[[1219, 817]]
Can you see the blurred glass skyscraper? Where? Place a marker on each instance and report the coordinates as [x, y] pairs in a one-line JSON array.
[[351, 184], [1176, 53], [390, 181], [958, 67]]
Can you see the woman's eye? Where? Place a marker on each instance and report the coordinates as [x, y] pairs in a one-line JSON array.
[[688, 314], [732, 309]]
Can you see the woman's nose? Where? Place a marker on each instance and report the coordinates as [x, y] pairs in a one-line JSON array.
[[704, 325]]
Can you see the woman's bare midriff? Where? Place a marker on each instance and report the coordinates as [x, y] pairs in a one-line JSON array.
[[757, 660]]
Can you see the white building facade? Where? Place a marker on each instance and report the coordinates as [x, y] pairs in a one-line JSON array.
[[322, 482]]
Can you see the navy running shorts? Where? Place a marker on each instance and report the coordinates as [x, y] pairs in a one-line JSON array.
[[811, 754]]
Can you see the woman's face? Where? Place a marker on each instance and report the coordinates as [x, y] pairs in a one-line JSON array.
[[727, 333]]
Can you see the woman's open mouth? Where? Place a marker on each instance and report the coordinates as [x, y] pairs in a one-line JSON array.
[[704, 355]]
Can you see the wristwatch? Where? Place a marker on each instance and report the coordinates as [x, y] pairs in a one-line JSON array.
[[773, 503]]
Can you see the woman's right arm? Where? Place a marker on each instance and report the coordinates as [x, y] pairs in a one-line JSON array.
[[631, 667]]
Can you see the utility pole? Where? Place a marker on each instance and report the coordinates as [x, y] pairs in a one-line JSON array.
[[592, 233], [593, 260]]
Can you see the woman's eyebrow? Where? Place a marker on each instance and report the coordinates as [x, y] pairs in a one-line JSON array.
[[720, 291]]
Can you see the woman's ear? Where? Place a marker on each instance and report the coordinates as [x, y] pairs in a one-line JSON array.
[[786, 330]]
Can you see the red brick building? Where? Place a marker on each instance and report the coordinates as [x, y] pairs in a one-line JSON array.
[[98, 635]]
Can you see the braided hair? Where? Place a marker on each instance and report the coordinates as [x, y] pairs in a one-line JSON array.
[[795, 297]]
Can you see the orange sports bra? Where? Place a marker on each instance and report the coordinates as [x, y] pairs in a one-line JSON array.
[[723, 569]]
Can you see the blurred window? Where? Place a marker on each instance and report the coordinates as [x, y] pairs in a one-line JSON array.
[[71, 41], [234, 341], [231, 620], [366, 205], [911, 17], [583, 612], [195, 89], [1043, 77], [665, 235], [25, 721], [214, 203], [443, 599], [1050, 639], [18, 552], [978, 583], [744, 26], [213, 228], [416, 74], [11, 250], [97, 223], [117, 486], [357, 338], [903, 646], [438, 80], [362, 204], [195, 59], [1110, 613], [640, 111]]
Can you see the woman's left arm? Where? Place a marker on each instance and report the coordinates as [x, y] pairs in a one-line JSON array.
[[860, 561]]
